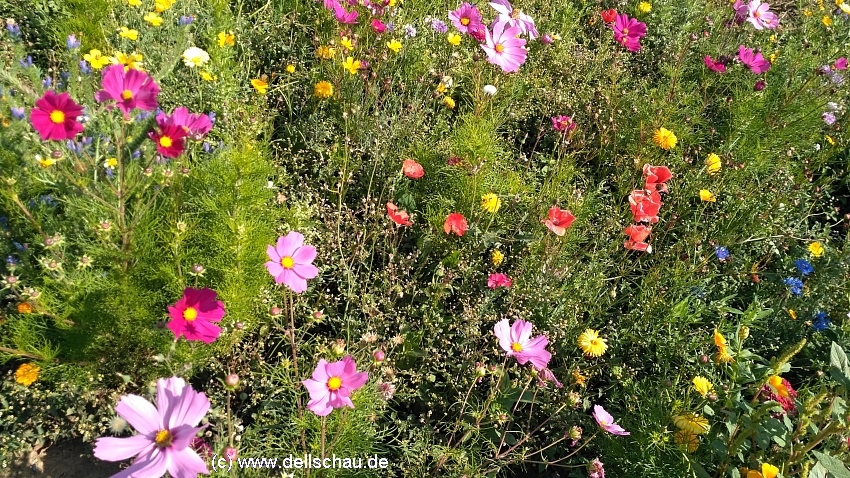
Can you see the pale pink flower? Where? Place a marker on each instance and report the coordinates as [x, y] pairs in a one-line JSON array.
[[517, 342], [760, 16], [291, 262], [332, 384], [503, 48], [515, 18], [606, 421]]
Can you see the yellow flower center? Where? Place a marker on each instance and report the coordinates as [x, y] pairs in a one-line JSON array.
[[516, 347], [57, 117], [287, 262], [500, 48], [163, 439], [165, 142], [625, 31], [334, 383], [127, 95], [190, 314], [515, 13], [464, 21]]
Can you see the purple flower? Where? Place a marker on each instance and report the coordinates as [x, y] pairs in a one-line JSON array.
[[331, 385], [47, 82], [84, 67], [26, 62], [409, 31], [196, 125], [628, 32], [514, 18], [595, 469], [439, 26], [71, 42], [754, 61], [14, 29], [19, 113], [760, 84], [722, 253], [606, 421], [186, 20], [828, 118], [841, 63], [718, 66]]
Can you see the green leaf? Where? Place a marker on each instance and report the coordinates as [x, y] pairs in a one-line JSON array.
[[699, 470], [832, 465], [817, 471], [838, 365]]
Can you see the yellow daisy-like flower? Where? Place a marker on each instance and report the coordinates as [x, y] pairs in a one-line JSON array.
[[664, 139], [226, 39], [441, 88], [351, 65], [347, 43], [702, 385], [449, 102], [826, 21], [691, 423], [497, 257], [153, 19], [816, 249], [110, 163], [130, 61], [260, 85], [45, 162], [453, 39], [207, 76], [686, 440], [579, 378], [27, 374], [707, 196], [491, 203], [792, 313], [591, 343], [807, 12], [394, 45], [162, 5], [723, 355], [96, 59], [779, 388], [713, 164], [645, 7], [323, 89], [290, 68], [129, 34], [830, 140], [325, 52], [719, 339]]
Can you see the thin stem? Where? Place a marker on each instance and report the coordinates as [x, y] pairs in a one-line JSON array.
[[529, 435], [291, 301]]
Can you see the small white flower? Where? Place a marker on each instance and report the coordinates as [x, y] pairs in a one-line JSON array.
[[447, 81], [490, 90], [194, 56]]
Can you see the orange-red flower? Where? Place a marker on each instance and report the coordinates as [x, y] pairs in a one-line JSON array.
[[559, 220], [645, 205], [399, 216], [637, 237], [456, 223], [412, 169], [608, 16], [655, 177]]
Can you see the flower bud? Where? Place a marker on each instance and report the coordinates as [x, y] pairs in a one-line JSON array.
[[704, 358], [743, 332], [575, 433], [480, 369], [275, 311], [239, 325], [338, 347], [379, 355], [56, 154], [318, 315], [231, 380], [712, 397], [198, 270], [759, 85]]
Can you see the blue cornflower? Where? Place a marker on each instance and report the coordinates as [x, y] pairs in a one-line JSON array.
[[71, 42], [439, 26], [26, 62], [805, 267], [795, 285], [821, 321], [186, 20], [722, 252], [19, 113], [84, 67]]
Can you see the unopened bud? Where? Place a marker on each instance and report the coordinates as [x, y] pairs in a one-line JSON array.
[[275, 311], [379, 355], [231, 380], [338, 347], [743, 332]]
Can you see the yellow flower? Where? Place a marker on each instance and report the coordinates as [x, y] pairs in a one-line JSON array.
[[45, 162], [792, 313], [454, 39], [691, 422], [325, 52], [441, 88], [497, 257], [129, 34], [767, 471], [687, 440], [645, 7], [134, 3], [779, 388], [449, 102], [845, 8], [578, 378], [491, 203], [394, 45], [260, 85], [27, 374], [713, 164], [226, 39], [132, 60], [830, 140], [207, 76], [707, 196], [719, 339], [290, 68], [24, 308], [347, 43], [591, 344], [162, 5], [556, 37], [772, 57], [96, 59], [702, 385], [153, 18], [826, 21], [664, 139], [723, 355], [351, 65], [816, 249], [323, 89], [110, 163], [807, 12]]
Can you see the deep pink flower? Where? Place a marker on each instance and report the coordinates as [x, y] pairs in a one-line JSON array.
[[655, 177], [195, 125], [165, 432], [504, 48], [760, 16], [378, 26], [479, 32], [497, 280], [638, 233], [129, 89], [343, 16], [716, 66], [170, 139], [465, 17], [331, 385], [742, 11], [291, 262], [514, 18], [455, 223], [606, 421], [754, 61], [517, 342], [55, 117], [645, 205], [563, 123], [629, 31], [559, 220], [841, 63], [193, 315]]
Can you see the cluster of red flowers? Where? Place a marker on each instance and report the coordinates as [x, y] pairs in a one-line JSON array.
[[645, 204]]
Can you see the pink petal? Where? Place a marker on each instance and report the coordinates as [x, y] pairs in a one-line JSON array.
[[502, 330], [297, 284], [139, 413], [275, 269], [304, 255], [117, 449], [305, 271], [316, 388], [287, 245], [353, 382], [521, 332], [320, 373], [186, 464], [148, 465]]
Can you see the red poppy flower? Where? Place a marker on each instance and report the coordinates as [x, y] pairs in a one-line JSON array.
[[645, 205], [655, 177], [412, 169], [399, 216], [637, 237], [456, 223], [608, 16], [559, 220]]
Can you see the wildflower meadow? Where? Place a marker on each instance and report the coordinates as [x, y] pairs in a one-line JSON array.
[[401, 238]]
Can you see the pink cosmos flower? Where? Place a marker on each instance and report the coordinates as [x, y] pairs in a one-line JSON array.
[[343, 16], [606, 421], [193, 315], [628, 31], [378, 26], [760, 16], [465, 17], [841, 63], [645, 205], [546, 376], [754, 61], [291, 262], [497, 280], [504, 48], [638, 233], [165, 432], [196, 125], [716, 66], [559, 220], [517, 342], [130, 90], [331, 385], [514, 18], [563, 123], [55, 117], [742, 11], [656, 177], [169, 139], [455, 223], [479, 32]]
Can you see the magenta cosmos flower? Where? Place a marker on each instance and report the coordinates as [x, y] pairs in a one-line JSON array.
[[718, 66], [606, 421], [517, 342], [291, 262], [504, 48], [760, 16], [628, 31], [754, 61], [515, 18], [497, 279], [131, 89], [55, 117], [195, 125], [170, 139], [465, 17], [563, 123], [165, 432], [331, 385], [193, 315]]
